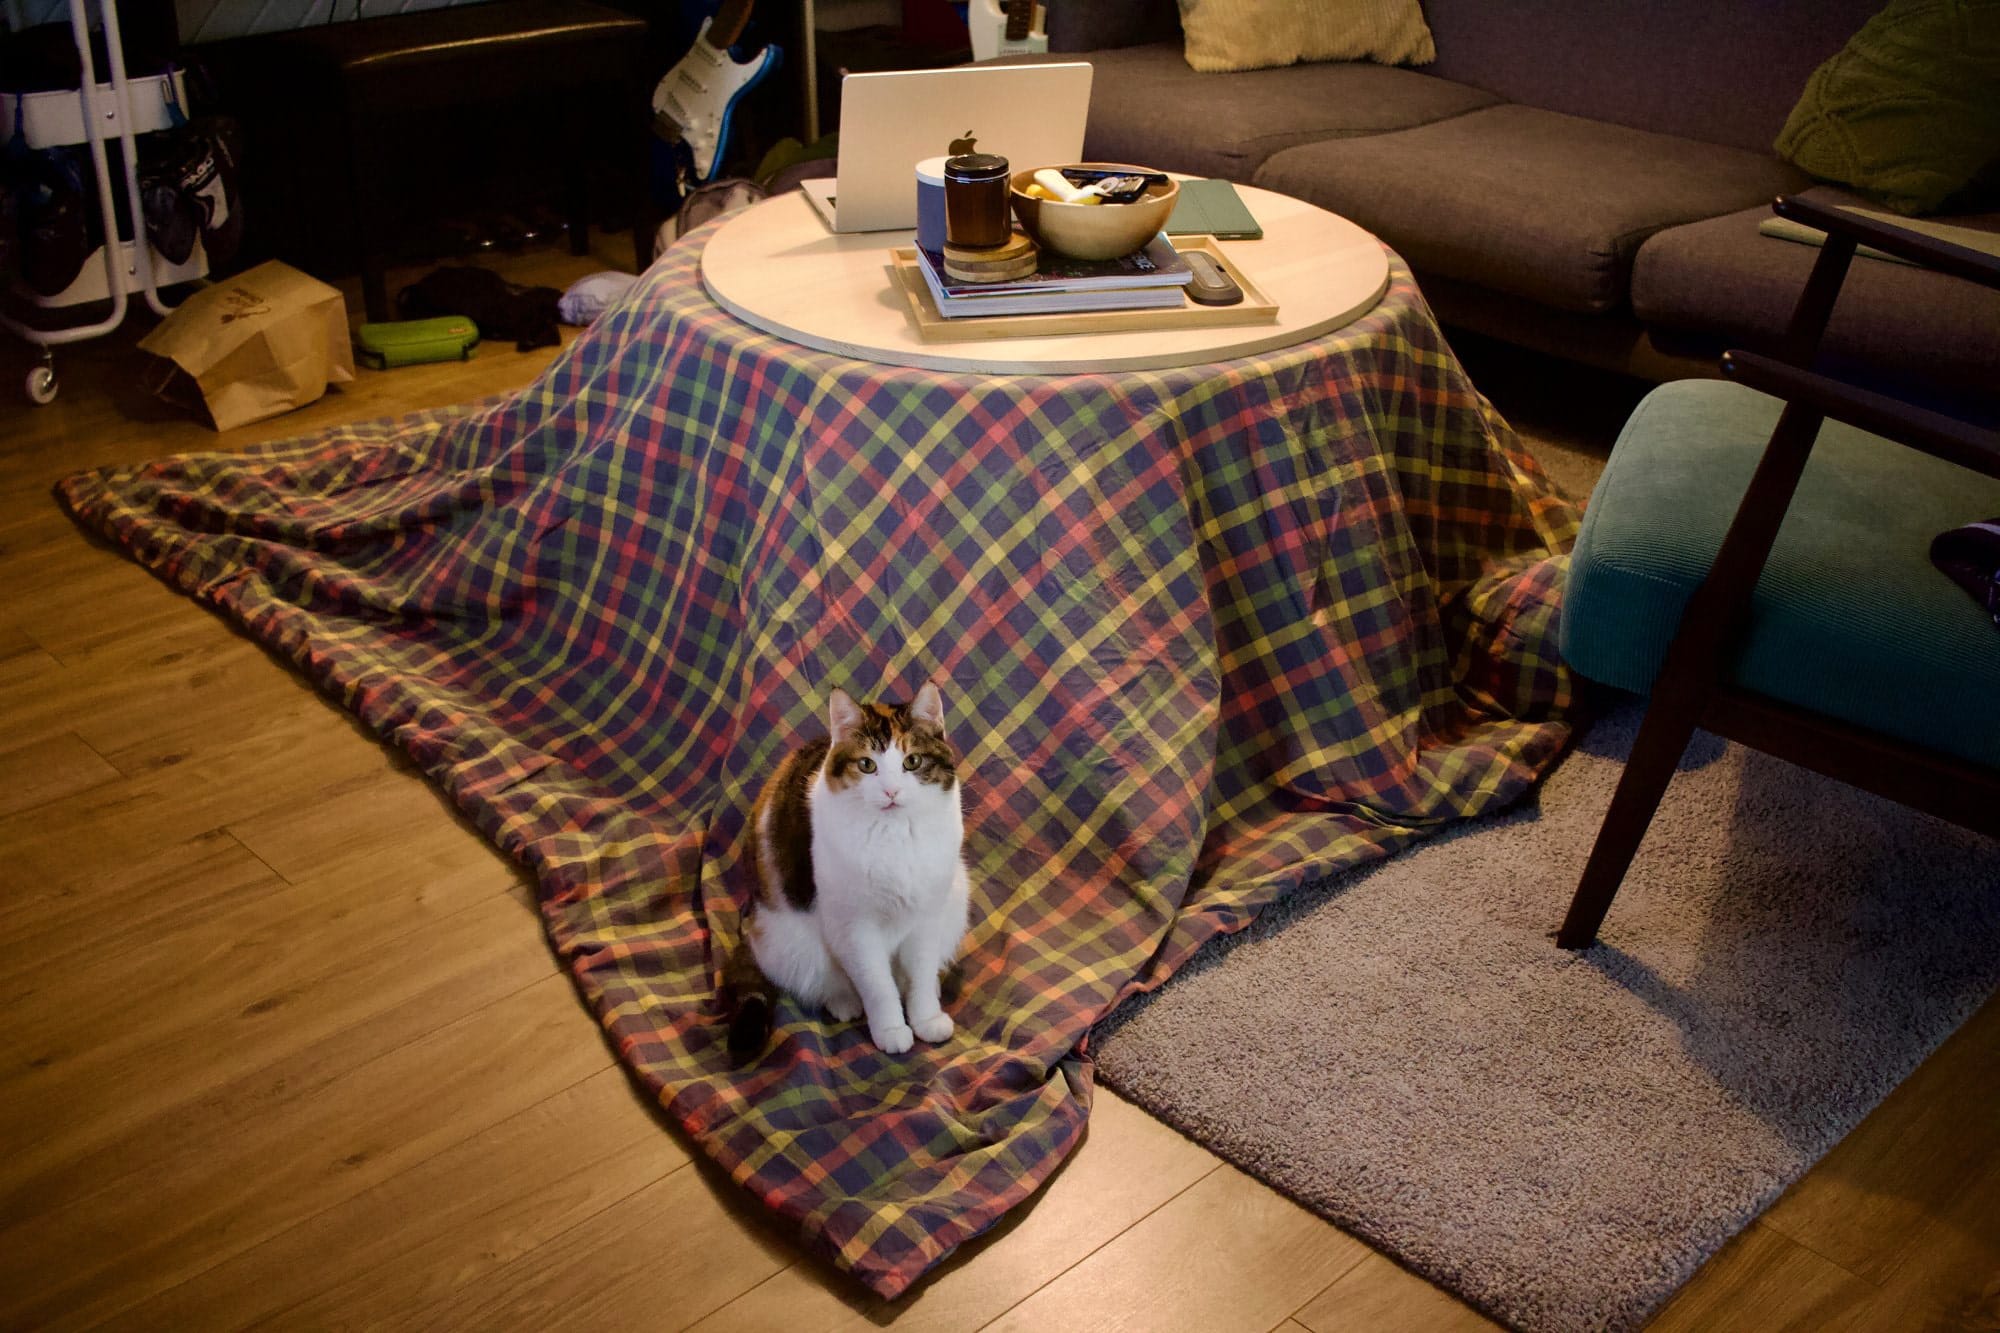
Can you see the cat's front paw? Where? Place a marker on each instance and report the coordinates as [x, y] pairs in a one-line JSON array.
[[844, 1008], [893, 1041], [935, 1028]]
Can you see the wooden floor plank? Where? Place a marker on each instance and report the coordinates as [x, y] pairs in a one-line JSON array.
[[290, 1155], [1184, 1267], [287, 966], [1866, 1205], [1128, 1165], [421, 1236], [1766, 1282], [34, 532], [339, 971], [338, 746], [27, 673], [47, 770], [85, 597], [1947, 1270], [42, 550], [1382, 1297], [363, 825], [235, 702], [286, 764], [130, 690], [659, 1259], [88, 1157], [52, 919]]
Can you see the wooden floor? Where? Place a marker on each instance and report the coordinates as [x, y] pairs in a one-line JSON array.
[[283, 1042]]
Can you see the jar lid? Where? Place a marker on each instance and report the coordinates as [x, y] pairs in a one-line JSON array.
[[975, 167], [931, 170]]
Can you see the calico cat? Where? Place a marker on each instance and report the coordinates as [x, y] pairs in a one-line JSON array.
[[856, 843]]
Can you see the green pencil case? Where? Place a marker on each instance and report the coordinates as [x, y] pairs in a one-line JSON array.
[[413, 342]]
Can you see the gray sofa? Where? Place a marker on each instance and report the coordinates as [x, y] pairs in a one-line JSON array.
[[1586, 179]]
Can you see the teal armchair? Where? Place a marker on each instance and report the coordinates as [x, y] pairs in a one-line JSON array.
[[1755, 558]]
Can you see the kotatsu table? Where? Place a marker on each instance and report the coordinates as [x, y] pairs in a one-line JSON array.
[[779, 268], [1204, 632]]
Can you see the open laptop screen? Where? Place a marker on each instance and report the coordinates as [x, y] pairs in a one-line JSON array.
[[1032, 115]]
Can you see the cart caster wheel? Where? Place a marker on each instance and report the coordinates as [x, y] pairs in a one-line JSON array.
[[42, 385]]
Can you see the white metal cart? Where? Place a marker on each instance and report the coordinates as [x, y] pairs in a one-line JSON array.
[[93, 113]]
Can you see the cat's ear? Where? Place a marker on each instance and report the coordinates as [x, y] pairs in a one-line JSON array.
[[929, 706], [843, 715]]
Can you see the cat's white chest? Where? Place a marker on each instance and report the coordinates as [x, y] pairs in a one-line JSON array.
[[891, 864]]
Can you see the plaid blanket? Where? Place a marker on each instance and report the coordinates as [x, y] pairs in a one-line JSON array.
[[1204, 635]]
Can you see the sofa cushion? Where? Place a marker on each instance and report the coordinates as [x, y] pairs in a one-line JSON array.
[[1721, 277], [1525, 201], [1849, 618], [1266, 34], [1147, 106]]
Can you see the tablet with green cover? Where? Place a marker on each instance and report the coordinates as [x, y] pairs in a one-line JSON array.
[[411, 342], [1212, 208]]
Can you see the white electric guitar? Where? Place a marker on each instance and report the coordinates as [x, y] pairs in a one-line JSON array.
[[1006, 29], [692, 104]]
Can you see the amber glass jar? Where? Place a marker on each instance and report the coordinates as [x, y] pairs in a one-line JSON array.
[[975, 201]]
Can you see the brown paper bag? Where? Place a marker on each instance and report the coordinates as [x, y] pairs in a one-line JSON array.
[[252, 346]]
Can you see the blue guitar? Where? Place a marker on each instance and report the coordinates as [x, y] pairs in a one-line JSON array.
[[693, 103]]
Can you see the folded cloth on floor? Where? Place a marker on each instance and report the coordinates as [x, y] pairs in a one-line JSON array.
[[527, 315], [588, 296]]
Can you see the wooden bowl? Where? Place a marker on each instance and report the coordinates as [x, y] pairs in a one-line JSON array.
[[1093, 231]]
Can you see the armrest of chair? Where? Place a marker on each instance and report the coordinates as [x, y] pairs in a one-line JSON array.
[[1931, 252], [1918, 428]]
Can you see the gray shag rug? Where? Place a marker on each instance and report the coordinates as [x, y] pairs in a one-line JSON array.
[[1559, 1138]]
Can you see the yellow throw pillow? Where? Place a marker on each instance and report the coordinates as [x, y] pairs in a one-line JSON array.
[[1259, 34]]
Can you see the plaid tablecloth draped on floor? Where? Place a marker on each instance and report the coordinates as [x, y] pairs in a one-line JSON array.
[[1204, 634]]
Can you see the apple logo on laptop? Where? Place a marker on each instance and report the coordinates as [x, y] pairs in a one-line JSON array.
[[966, 144]]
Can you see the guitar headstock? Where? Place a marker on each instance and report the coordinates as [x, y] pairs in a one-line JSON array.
[[1004, 27], [731, 18]]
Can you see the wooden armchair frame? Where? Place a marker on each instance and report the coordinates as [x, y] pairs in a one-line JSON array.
[[1692, 689]]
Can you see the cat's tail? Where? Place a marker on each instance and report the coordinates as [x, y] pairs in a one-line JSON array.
[[752, 999]]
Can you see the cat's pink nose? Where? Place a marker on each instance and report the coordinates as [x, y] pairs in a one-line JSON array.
[[891, 793]]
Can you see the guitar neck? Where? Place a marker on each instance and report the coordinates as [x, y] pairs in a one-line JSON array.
[[730, 20], [1020, 19]]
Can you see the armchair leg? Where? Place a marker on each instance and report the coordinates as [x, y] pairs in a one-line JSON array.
[[1716, 611], [1662, 739]]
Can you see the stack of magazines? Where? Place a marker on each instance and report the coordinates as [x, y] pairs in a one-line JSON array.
[[1148, 279]]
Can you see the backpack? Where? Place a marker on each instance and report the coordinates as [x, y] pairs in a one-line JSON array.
[[707, 202]]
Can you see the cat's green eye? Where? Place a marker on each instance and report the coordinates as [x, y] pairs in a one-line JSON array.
[[912, 763], [866, 765]]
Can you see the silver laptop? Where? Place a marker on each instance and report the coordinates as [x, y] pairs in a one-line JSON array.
[[1032, 115]]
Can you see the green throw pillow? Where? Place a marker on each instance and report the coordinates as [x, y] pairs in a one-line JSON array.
[[1909, 112]]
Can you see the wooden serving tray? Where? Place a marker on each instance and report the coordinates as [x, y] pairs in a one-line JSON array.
[[1254, 308]]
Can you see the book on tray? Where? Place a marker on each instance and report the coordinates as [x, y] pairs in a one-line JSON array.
[[1150, 278]]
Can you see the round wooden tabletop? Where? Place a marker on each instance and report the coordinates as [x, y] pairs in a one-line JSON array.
[[776, 266]]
